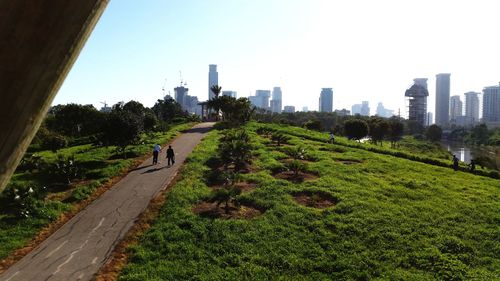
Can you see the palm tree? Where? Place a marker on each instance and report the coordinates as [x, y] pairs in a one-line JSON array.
[[214, 103]]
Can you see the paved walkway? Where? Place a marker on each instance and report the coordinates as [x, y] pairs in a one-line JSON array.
[[79, 248]]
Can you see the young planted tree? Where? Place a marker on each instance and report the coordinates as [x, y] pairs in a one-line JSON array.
[[215, 103], [296, 167], [280, 138], [226, 196]]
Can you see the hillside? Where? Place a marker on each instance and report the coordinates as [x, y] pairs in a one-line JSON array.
[[347, 214]]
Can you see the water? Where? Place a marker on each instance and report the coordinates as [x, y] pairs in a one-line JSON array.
[[465, 153]]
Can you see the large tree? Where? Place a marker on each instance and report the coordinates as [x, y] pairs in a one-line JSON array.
[[378, 129], [74, 120], [167, 109], [122, 128], [434, 133], [355, 129], [396, 130]]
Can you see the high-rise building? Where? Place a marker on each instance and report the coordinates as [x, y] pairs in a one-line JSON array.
[[421, 81], [232, 94], [342, 112], [491, 104], [416, 102], [305, 109], [428, 121], [289, 109], [471, 108], [180, 95], [442, 99], [213, 79], [261, 99], [356, 109], [455, 108], [276, 101], [384, 112], [365, 108], [326, 100]]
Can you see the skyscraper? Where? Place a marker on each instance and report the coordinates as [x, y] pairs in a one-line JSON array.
[[356, 109], [213, 79], [421, 81], [289, 109], [455, 108], [261, 99], [416, 101], [442, 99], [365, 108], [326, 100], [181, 93], [229, 93], [276, 101], [491, 104], [472, 108]]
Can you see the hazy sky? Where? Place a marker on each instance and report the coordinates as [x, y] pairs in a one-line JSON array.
[[364, 50]]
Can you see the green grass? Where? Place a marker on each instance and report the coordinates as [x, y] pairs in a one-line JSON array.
[[395, 219], [99, 164]]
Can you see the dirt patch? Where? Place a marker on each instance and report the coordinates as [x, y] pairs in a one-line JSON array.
[[300, 177], [244, 186], [318, 200], [211, 210], [349, 161]]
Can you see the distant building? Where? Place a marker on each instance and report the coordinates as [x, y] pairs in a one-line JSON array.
[[180, 95], [261, 99], [305, 109], [365, 108], [416, 102], [491, 105], [422, 82], [429, 120], [455, 108], [229, 94], [442, 99], [213, 79], [187, 102], [471, 108], [356, 109], [276, 101], [342, 112], [384, 112], [289, 109], [326, 100]]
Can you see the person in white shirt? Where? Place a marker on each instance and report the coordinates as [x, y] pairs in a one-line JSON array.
[[156, 152]]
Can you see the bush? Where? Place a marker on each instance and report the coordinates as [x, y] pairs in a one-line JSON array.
[[54, 141], [23, 201]]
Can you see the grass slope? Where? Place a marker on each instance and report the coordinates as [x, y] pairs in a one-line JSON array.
[[395, 219], [100, 164]]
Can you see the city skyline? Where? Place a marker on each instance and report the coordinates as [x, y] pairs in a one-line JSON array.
[[363, 55]]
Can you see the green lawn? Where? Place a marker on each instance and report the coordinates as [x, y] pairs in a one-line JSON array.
[[394, 219], [98, 165]]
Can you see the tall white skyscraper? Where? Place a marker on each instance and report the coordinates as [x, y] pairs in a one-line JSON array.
[[455, 107], [213, 79], [472, 108], [276, 100], [365, 108], [442, 99]]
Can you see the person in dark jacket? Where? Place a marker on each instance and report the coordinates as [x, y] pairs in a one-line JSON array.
[[170, 155], [455, 163]]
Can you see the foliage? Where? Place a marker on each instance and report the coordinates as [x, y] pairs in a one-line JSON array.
[[355, 129], [54, 142], [378, 129], [225, 196], [122, 128], [479, 135], [216, 89], [313, 125], [75, 120], [167, 109], [434, 133], [396, 130], [62, 171], [235, 149], [23, 201], [296, 167], [280, 138]]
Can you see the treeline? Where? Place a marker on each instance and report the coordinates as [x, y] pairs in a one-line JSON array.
[[478, 135], [74, 124], [356, 127]]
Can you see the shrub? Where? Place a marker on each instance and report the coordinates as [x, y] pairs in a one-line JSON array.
[[226, 196], [23, 201], [54, 141]]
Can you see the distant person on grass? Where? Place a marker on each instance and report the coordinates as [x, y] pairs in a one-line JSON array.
[[472, 165], [332, 138], [170, 155], [455, 163], [156, 152]]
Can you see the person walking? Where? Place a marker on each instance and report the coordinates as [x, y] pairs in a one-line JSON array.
[[455, 163], [156, 152], [472, 165], [332, 138], [170, 155]]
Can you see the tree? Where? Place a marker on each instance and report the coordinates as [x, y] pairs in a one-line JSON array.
[[122, 128], [167, 109], [75, 120], [226, 196], [479, 135], [313, 125], [280, 138], [216, 89], [378, 129], [396, 130], [355, 129], [434, 133], [414, 128], [215, 102]]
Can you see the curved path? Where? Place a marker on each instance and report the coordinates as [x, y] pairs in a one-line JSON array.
[[79, 248]]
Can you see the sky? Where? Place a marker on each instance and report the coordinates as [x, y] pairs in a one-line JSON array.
[[362, 49]]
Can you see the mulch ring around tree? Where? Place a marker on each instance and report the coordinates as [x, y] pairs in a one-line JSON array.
[[300, 177], [211, 210], [318, 200], [244, 186]]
